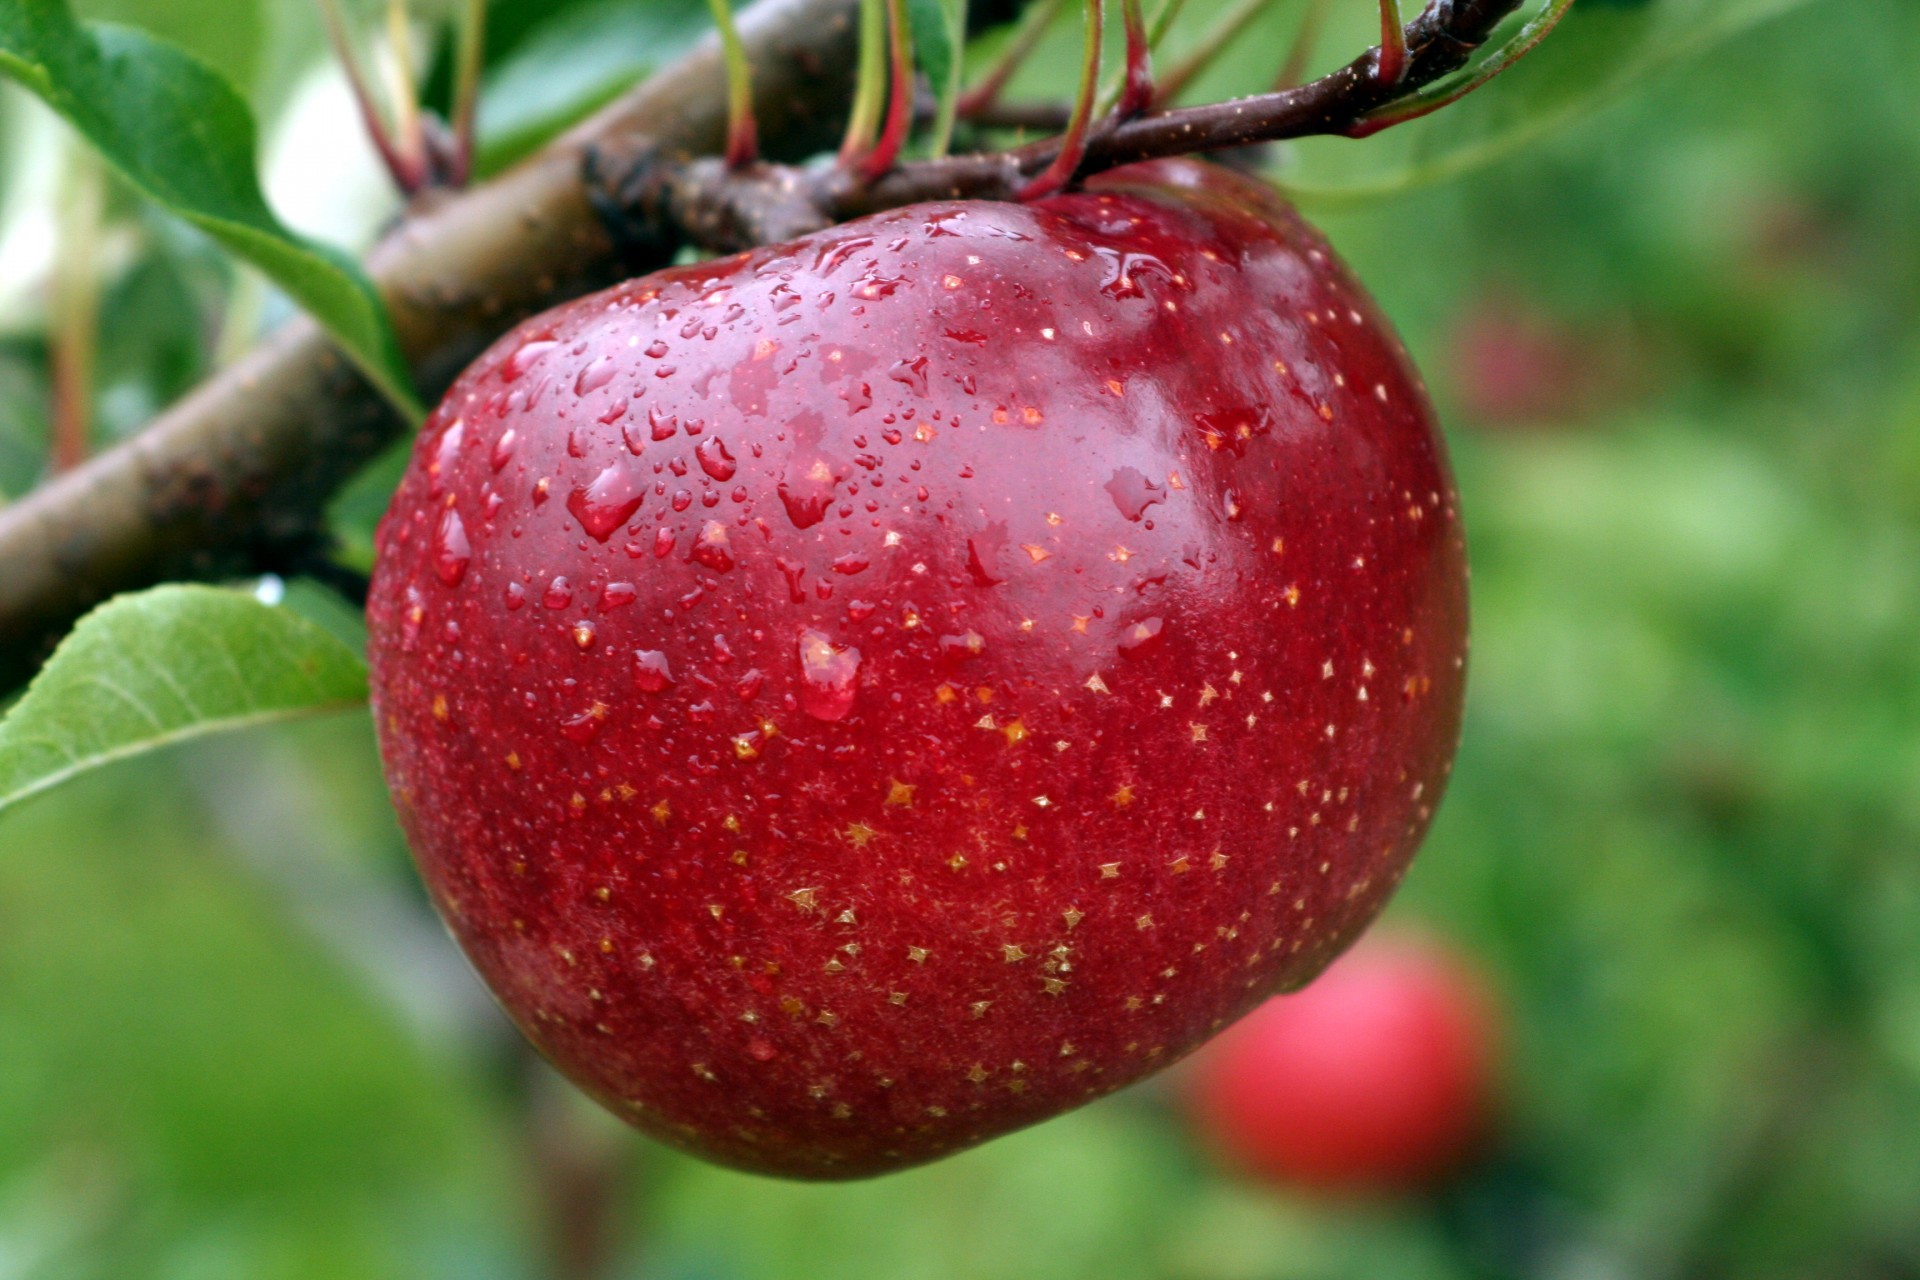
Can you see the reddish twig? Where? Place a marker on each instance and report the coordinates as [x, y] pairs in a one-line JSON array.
[[1137, 94], [1072, 146], [893, 135]]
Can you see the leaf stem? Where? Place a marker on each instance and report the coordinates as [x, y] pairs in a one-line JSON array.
[[76, 310], [900, 100], [1452, 89], [410, 133], [1137, 95], [1305, 37], [1039, 15], [1393, 43], [1073, 143], [468, 59], [863, 121], [743, 141], [372, 119]]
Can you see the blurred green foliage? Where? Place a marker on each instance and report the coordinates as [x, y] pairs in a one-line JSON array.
[[1684, 832]]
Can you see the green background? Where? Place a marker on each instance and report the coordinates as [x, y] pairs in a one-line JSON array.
[[1684, 835]]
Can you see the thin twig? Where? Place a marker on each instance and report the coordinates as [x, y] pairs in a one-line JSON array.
[[893, 136], [1034, 21], [227, 480], [76, 312], [407, 175], [468, 59], [1312, 20], [1225, 30], [1073, 143]]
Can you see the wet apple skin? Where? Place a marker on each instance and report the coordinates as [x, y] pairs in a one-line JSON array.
[[1093, 678]]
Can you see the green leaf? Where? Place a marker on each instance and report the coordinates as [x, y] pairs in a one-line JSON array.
[[183, 135], [1597, 51], [939, 34], [175, 662], [574, 58]]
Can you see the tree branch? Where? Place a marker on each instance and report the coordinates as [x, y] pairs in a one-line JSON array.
[[725, 216], [232, 479]]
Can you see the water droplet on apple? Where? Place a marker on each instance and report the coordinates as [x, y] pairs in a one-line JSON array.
[[503, 448], [609, 502], [1141, 638], [714, 458], [445, 454], [451, 550], [712, 549], [528, 355], [594, 376], [650, 670], [829, 676], [1133, 493]]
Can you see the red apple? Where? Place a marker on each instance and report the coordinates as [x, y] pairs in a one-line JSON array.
[[1377, 1077], [858, 697]]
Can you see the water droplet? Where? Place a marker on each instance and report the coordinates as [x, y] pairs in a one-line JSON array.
[[808, 494], [714, 458], [584, 635], [912, 373], [711, 547], [445, 454], [584, 727], [608, 503], [559, 594], [516, 597], [850, 563], [617, 594], [595, 376], [829, 676], [1133, 493], [681, 500], [412, 617], [657, 348], [525, 358], [832, 255], [1142, 638], [503, 448], [650, 670], [451, 551], [663, 425], [983, 555]]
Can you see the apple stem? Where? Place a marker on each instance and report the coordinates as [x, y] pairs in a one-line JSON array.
[[407, 168], [900, 101], [1313, 19], [1073, 143], [1212, 44], [1392, 67], [1034, 21], [743, 141], [863, 120], [468, 58]]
